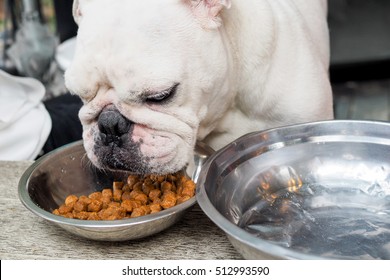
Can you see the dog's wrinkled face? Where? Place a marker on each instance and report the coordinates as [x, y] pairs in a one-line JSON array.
[[148, 72]]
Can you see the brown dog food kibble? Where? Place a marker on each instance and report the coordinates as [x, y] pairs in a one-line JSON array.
[[138, 196]]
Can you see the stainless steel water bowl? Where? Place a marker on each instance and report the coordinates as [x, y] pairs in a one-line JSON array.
[[67, 170], [309, 191]]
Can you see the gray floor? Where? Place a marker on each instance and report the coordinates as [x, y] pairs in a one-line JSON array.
[[363, 100]]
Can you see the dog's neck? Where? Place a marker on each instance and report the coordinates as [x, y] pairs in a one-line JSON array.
[[277, 49], [246, 42]]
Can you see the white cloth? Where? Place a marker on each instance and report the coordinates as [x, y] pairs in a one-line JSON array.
[[65, 53], [25, 123]]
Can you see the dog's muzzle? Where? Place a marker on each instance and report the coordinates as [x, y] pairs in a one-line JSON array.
[[112, 127]]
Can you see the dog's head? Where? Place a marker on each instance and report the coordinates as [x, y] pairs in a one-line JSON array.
[[154, 78]]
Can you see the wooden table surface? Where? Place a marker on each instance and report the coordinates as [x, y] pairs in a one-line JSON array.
[[24, 235]]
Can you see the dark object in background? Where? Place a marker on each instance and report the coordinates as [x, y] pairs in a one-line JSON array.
[[33, 48], [66, 26], [66, 126], [359, 39]]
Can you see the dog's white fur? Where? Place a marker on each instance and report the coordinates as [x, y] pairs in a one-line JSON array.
[[241, 66]]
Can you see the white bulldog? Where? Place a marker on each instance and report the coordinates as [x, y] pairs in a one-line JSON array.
[[158, 75]]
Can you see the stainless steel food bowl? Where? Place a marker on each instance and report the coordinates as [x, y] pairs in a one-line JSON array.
[[67, 170], [309, 191]]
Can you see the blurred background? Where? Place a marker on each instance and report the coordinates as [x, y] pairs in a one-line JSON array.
[[31, 35], [360, 49], [360, 58]]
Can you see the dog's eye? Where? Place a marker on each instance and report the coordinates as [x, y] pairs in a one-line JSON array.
[[162, 96]]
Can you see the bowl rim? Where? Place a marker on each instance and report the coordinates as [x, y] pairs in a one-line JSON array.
[[239, 234], [26, 200]]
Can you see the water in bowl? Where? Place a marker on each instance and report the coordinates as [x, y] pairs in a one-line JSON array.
[[327, 221]]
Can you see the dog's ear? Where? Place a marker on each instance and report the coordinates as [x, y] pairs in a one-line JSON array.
[[76, 11], [208, 11]]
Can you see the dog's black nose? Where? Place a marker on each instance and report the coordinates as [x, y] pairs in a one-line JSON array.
[[112, 125]]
